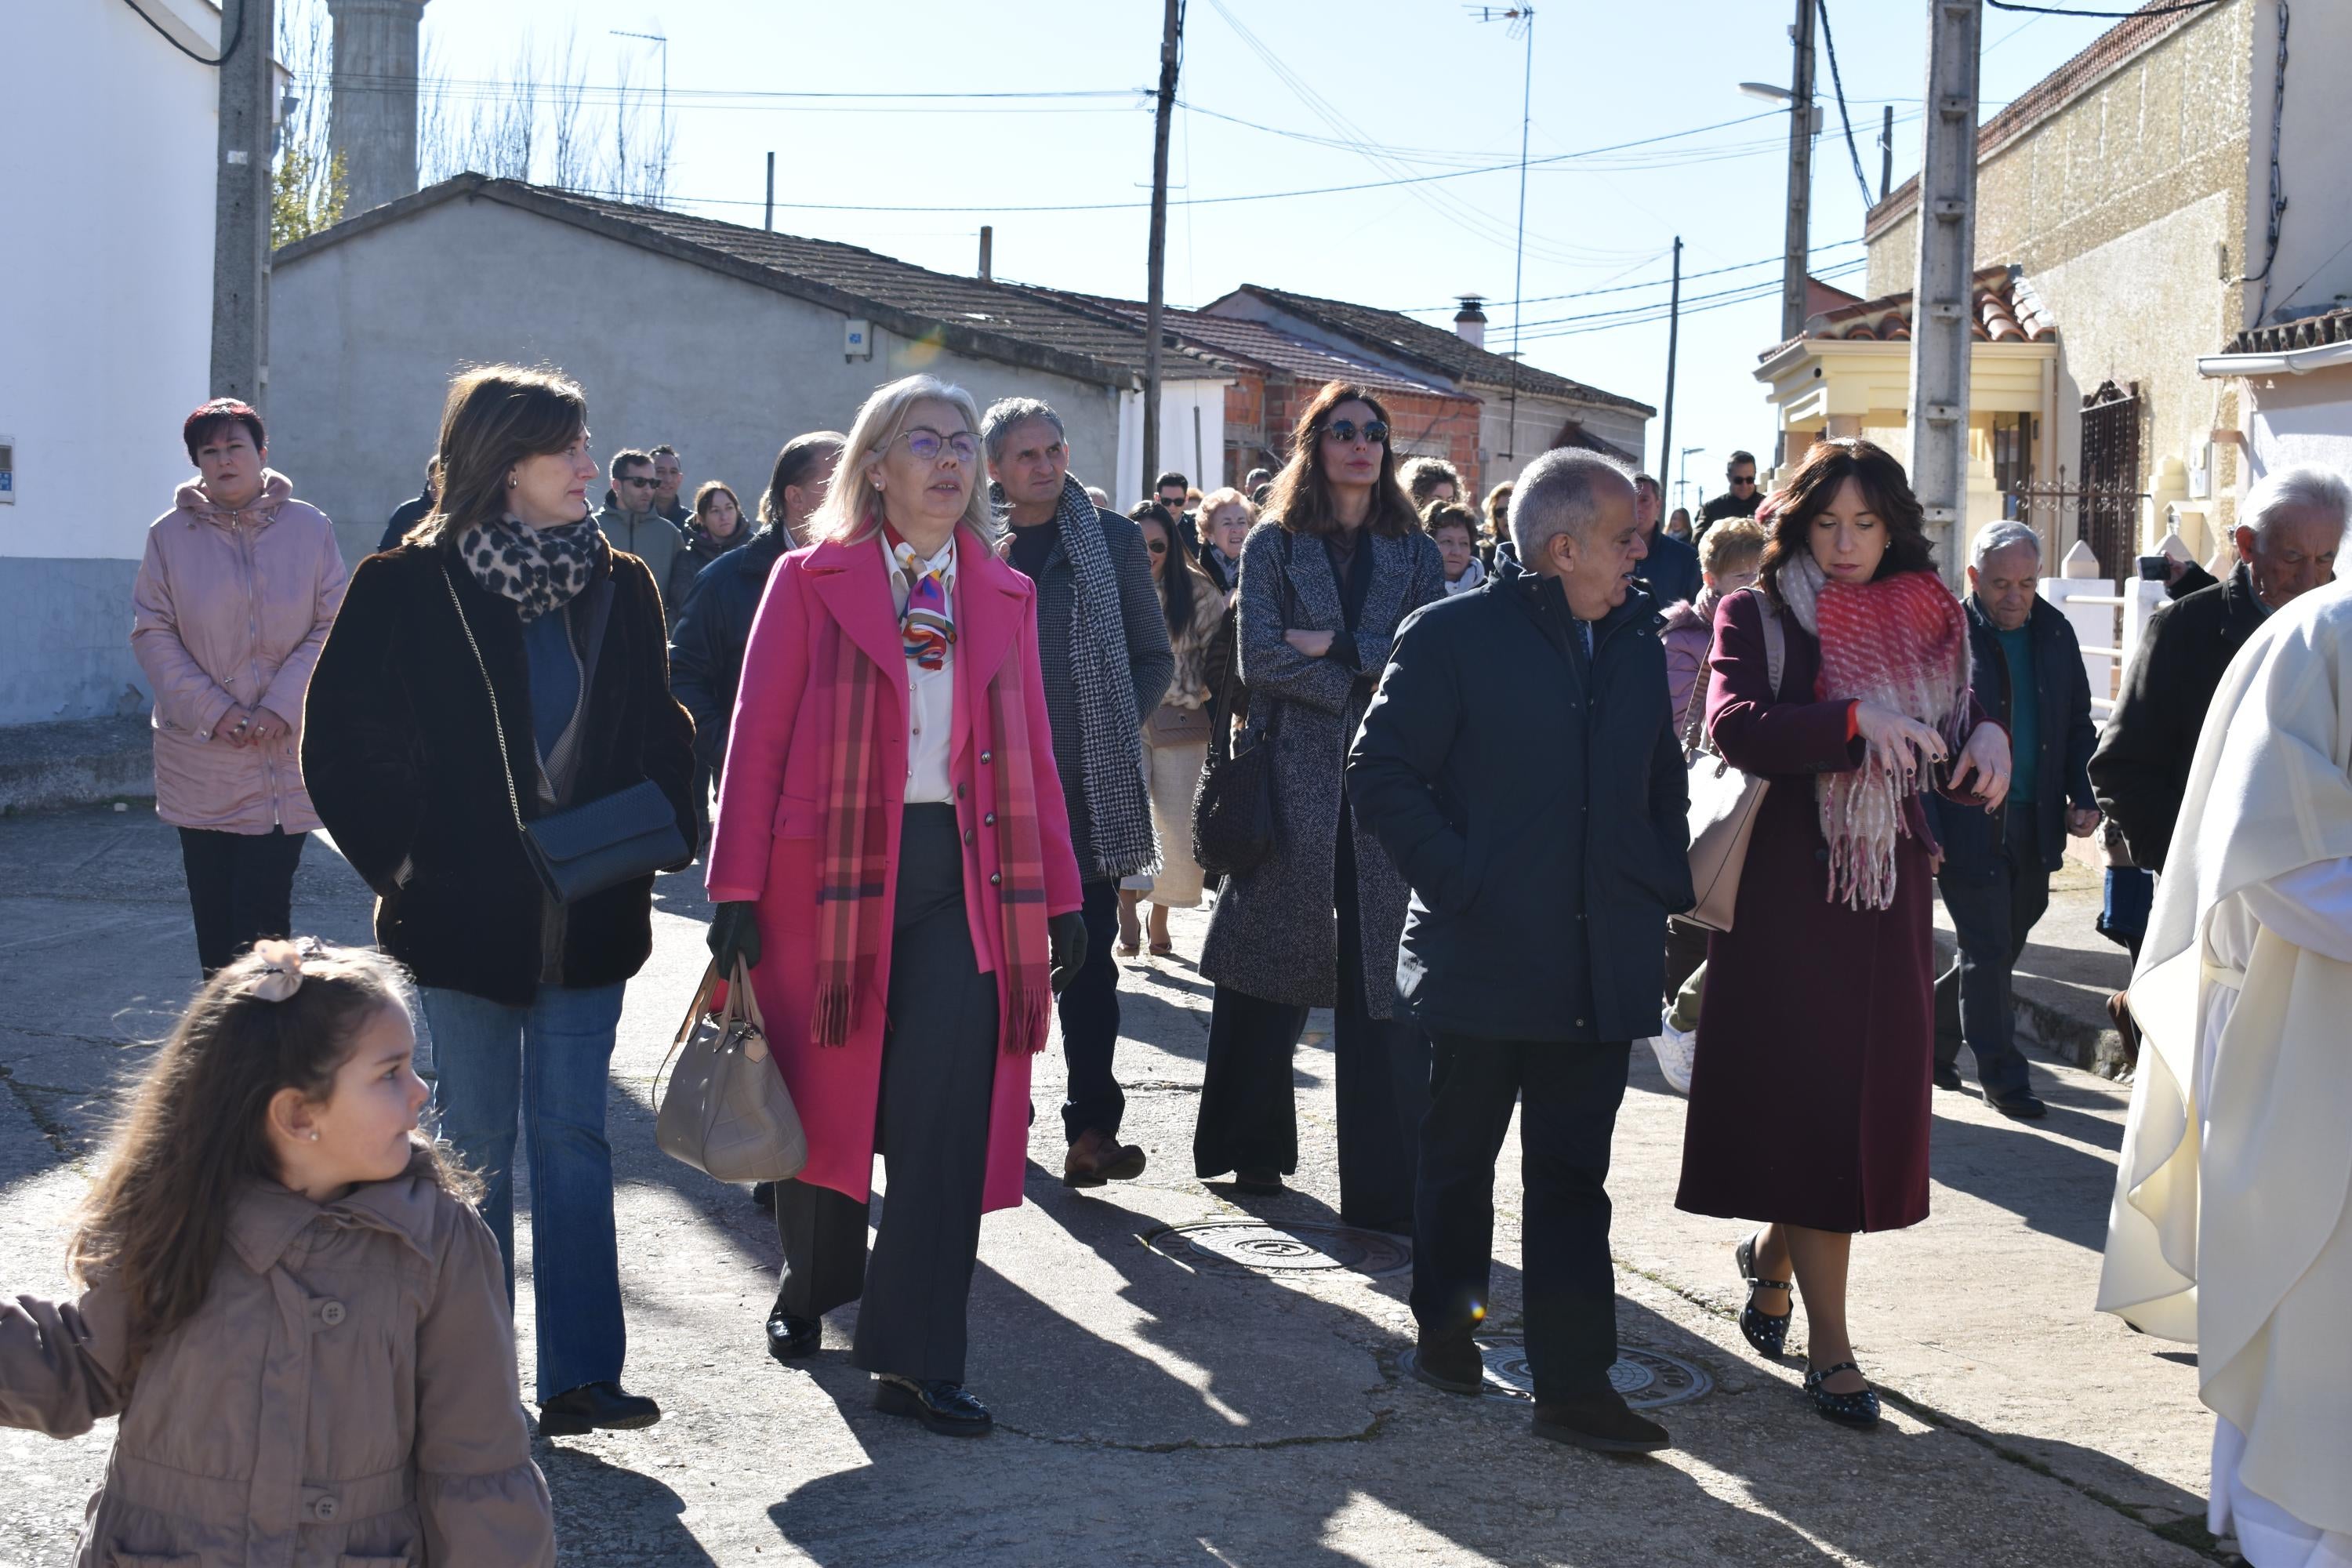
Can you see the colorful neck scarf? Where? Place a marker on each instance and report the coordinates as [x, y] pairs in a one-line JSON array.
[[540, 569], [928, 627]]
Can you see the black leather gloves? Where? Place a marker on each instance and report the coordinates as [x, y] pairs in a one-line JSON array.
[[1066, 935], [735, 933]]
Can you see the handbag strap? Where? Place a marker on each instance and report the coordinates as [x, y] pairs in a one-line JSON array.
[[498, 720], [1775, 661]]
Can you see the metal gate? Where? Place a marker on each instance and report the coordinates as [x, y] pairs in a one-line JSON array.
[[2106, 502]]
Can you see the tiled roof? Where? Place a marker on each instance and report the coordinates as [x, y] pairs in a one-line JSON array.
[[1268, 347], [2285, 337], [1437, 348], [985, 319], [2006, 311]]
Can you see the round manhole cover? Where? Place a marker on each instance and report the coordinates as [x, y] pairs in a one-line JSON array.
[[1646, 1378], [1262, 1247]]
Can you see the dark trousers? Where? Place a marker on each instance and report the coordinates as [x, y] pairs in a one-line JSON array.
[[1686, 950], [1249, 1117], [1089, 1010], [939, 1071], [240, 888], [1974, 999], [1568, 1097]]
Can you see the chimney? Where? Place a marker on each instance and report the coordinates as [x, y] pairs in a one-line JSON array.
[[987, 245], [371, 125], [1471, 322]]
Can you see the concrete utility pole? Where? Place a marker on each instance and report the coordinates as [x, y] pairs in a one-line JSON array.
[[1941, 301], [769, 225], [1800, 176], [240, 366], [1171, 36], [1674, 335]]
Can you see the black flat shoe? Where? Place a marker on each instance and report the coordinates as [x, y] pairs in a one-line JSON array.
[[1948, 1078], [792, 1339], [1259, 1184], [2022, 1106], [947, 1408], [763, 1196], [1762, 1329], [1858, 1410], [1451, 1363], [1601, 1422], [596, 1406]]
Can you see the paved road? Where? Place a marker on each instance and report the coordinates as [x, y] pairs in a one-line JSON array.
[[1160, 1406]]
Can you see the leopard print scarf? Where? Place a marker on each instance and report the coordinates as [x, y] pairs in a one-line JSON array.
[[540, 569]]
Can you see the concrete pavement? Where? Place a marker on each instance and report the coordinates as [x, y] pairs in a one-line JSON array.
[[1159, 1404]]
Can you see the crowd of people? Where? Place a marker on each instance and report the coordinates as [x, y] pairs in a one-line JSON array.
[[957, 709]]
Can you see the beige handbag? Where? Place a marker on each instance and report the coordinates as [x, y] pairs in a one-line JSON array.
[[726, 1111], [1724, 801]]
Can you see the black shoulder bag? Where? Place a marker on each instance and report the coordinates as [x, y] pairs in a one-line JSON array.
[[587, 848], [1233, 811]]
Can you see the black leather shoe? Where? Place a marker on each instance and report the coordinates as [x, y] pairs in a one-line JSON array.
[[1858, 1410], [947, 1408], [596, 1406], [792, 1339], [763, 1195], [1601, 1422], [1451, 1363], [2019, 1107], [1948, 1078], [1259, 1184]]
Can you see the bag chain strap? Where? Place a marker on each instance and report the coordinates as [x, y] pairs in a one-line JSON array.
[[498, 721]]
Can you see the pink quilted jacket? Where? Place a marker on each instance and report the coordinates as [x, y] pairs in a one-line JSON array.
[[231, 611]]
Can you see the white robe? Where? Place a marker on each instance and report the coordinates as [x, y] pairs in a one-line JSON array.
[[2231, 1226]]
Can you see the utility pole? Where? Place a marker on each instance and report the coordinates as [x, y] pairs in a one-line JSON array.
[[1171, 35], [1940, 290], [1800, 176], [240, 366], [770, 224], [1682, 485], [1522, 20], [1886, 152], [1673, 332]]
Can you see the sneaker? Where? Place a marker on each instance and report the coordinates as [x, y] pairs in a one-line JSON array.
[[1675, 1050]]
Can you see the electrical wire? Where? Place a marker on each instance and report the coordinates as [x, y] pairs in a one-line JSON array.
[[236, 35], [1837, 85], [2111, 16], [1770, 290], [1647, 283]]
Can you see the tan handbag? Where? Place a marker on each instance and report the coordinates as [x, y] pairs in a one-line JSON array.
[[1724, 801], [726, 1111]]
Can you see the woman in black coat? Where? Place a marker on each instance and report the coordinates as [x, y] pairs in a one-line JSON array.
[[1325, 584], [503, 665]]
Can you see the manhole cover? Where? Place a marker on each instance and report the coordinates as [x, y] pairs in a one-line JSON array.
[[1262, 1247], [1646, 1378]]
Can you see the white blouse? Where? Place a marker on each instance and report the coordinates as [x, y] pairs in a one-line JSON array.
[[931, 693]]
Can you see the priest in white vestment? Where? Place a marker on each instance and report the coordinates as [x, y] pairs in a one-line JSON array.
[[2232, 1227]]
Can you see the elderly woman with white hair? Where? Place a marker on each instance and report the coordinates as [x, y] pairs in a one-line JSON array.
[[893, 859]]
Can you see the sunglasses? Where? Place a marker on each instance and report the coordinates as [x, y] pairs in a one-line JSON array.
[[1743, 479], [1374, 431], [637, 480], [1156, 546], [927, 445]]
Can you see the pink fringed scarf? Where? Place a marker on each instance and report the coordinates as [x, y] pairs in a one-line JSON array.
[[1900, 642]]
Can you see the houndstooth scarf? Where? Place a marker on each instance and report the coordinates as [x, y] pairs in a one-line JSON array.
[[540, 569], [1110, 745]]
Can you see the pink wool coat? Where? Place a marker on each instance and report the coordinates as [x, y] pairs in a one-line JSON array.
[[764, 844], [346, 1395], [230, 610]]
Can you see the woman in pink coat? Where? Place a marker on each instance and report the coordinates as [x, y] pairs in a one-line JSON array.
[[892, 854], [233, 600]]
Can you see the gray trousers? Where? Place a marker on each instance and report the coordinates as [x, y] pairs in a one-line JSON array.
[[939, 1071]]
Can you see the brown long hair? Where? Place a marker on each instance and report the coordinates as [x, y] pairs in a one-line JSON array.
[[1301, 497], [496, 415], [1816, 482], [799, 460], [195, 1131]]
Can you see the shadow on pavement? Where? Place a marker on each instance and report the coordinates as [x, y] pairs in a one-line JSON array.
[[629, 1517]]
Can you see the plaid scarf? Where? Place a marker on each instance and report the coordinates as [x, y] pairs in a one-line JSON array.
[[1903, 643], [854, 854]]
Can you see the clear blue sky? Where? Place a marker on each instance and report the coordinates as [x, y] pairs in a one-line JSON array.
[[1421, 78]]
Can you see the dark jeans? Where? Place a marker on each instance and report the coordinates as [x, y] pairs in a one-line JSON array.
[[1568, 1095], [240, 888], [1089, 1009], [939, 1071], [1974, 1000]]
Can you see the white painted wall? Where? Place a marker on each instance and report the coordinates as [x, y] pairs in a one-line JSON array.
[[1202, 460], [2298, 419], [2314, 267]]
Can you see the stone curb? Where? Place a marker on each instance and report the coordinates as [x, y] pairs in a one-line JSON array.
[[76, 762]]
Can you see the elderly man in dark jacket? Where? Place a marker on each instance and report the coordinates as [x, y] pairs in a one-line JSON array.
[[1540, 824], [1995, 875]]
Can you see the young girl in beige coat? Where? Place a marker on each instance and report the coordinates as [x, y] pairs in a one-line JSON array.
[[302, 1322]]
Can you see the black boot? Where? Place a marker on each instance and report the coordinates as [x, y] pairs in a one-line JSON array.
[[594, 1407]]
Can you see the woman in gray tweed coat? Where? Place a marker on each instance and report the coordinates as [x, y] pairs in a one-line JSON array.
[[1325, 583]]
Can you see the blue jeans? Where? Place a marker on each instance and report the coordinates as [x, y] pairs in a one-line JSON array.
[[547, 1064]]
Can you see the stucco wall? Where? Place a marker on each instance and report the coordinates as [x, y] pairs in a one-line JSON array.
[[366, 334], [110, 342]]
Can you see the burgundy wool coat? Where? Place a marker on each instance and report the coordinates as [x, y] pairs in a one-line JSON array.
[[1809, 1099]]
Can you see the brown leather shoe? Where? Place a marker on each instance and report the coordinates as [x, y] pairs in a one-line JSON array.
[[1096, 1158]]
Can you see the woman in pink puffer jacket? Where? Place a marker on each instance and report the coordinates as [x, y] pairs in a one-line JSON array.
[[234, 598]]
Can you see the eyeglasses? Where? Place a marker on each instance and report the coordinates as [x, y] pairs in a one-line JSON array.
[[1156, 546], [637, 480], [1374, 431], [1743, 479], [925, 444]]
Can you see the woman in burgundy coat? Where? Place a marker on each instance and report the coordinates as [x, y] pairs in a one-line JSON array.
[[1809, 1097]]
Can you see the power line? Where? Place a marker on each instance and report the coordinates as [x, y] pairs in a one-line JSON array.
[[236, 36], [1837, 85], [2111, 16], [1658, 312], [1646, 283]]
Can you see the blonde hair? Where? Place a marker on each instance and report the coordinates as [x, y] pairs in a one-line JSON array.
[[1734, 544], [852, 509]]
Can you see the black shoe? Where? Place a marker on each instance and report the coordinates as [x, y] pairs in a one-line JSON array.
[[763, 1195], [1948, 1078], [1451, 1362], [947, 1408], [790, 1338], [1259, 1184], [594, 1407], [1766, 1333], [1858, 1410], [1601, 1422], [2019, 1107]]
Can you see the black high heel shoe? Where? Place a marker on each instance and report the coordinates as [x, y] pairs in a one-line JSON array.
[[1858, 1410], [1763, 1331]]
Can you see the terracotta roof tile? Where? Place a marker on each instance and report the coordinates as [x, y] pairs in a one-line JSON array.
[[2285, 337], [2006, 311]]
